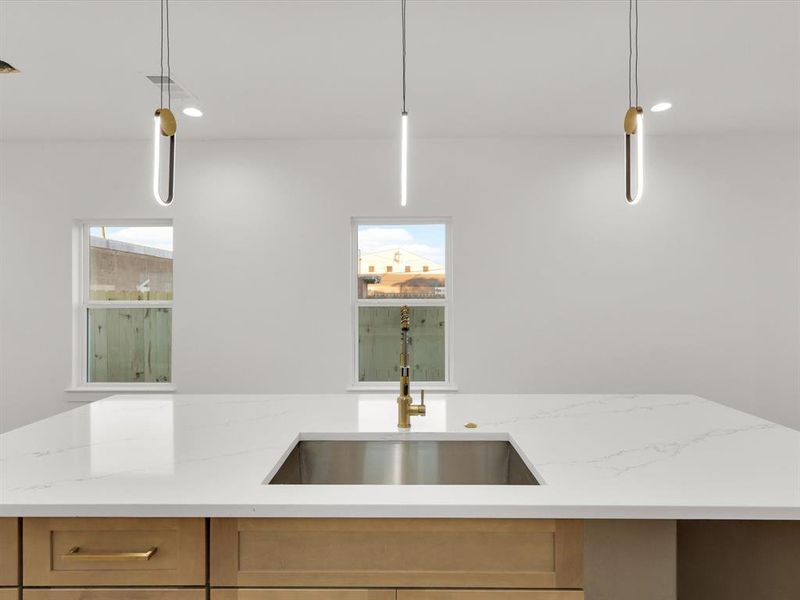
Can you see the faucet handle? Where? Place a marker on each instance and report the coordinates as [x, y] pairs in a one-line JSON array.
[[422, 397]]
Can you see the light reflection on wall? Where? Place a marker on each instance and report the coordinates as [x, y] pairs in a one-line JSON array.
[[381, 415], [132, 438]]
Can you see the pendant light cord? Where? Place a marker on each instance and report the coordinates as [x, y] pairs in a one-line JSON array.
[[636, 71], [161, 59], [633, 43], [403, 27], [165, 10], [169, 66]]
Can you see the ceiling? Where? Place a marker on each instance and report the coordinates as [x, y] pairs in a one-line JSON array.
[[331, 68]]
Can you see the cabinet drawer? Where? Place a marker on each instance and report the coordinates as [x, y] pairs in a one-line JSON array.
[[9, 552], [114, 594], [115, 552], [9, 593], [489, 595], [460, 553], [300, 594]]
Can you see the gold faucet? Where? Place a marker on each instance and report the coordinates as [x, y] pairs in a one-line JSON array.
[[405, 403]]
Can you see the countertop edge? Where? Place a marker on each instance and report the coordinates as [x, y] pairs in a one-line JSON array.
[[790, 513]]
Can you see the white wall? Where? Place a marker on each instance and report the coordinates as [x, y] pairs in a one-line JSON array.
[[559, 285]]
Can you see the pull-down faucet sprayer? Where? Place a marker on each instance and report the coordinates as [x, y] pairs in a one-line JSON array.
[[405, 403]]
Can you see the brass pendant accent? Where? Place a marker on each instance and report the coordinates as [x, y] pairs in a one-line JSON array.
[[167, 122], [631, 118]]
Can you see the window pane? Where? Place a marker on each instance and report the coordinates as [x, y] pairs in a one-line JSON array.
[[402, 261], [130, 263], [379, 343], [129, 345]]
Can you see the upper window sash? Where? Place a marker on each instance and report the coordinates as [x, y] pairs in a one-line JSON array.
[[85, 275], [385, 259]]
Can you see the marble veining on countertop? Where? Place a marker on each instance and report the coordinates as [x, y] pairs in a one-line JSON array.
[[600, 456]]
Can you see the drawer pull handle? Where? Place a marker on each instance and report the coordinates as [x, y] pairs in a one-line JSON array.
[[76, 554]]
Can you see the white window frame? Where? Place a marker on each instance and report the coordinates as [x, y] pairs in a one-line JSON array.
[[448, 385], [81, 304]]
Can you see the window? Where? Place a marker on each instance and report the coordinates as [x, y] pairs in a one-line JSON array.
[[124, 313], [417, 266], [372, 268]]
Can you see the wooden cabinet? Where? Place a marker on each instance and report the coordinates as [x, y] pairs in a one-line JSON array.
[[292, 559], [114, 594], [9, 552], [300, 594], [394, 553], [489, 595], [115, 552]]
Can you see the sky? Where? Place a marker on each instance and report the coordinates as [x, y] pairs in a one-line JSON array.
[[428, 240], [151, 237]]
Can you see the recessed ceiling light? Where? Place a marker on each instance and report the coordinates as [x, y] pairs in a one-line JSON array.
[[661, 106], [191, 111]]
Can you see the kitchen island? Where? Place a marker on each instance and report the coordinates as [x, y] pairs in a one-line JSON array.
[[615, 470]]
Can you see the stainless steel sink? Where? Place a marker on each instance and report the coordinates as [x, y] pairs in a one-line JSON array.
[[404, 462]]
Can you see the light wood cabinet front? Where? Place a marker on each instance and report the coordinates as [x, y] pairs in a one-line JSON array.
[[114, 594], [452, 553], [9, 552], [488, 595], [9, 593], [115, 552], [299, 594]]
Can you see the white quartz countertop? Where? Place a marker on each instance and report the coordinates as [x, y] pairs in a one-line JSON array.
[[599, 456]]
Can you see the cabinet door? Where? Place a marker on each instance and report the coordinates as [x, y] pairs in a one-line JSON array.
[[300, 594], [113, 552], [395, 553], [9, 552], [9, 593], [489, 595], [114, 594]]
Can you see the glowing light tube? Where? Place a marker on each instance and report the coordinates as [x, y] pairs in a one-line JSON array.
[[636, 134], [156, 158], [157, 164], [404, 159]]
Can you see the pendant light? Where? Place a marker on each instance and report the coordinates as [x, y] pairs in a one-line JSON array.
[[634, 117], [403, 118], [165, 125]]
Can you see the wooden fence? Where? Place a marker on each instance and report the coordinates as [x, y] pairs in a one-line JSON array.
[[130, 345], [135, 344], [379, 343]]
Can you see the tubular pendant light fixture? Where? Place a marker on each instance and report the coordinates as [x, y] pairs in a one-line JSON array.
[[164, 123], [403, 118], [634, 117]]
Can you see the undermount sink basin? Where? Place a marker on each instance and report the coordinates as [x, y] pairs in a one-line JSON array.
[[404, 462]]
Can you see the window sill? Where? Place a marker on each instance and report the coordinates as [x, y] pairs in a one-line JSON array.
[[142, 388], [392, 387]]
